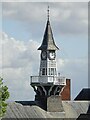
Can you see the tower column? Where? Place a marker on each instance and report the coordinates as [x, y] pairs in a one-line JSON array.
[[48, 83]]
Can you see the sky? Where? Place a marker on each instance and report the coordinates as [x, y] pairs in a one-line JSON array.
[[21, 33]]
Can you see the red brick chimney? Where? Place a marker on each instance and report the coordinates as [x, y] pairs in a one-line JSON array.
[[66, 93]]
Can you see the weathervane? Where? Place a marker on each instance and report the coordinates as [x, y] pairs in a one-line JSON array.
[[48, 13]]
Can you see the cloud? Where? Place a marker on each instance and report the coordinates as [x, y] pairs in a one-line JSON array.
[[17, 53], [69, 18], [77, 70], [21, 60]]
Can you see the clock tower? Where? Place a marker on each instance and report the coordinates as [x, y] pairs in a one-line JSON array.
[[48, 55], [47, 83]]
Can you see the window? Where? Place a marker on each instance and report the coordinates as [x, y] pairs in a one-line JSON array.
[[46, 71], [55, 72], [52, 71], [40, 72], [43, 71], [49, 71]]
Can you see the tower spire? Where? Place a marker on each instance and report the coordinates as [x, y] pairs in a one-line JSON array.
[[48, 40], [48, 13]]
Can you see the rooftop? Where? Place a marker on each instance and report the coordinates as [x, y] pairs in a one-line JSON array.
[[27, 109], [84, 94]]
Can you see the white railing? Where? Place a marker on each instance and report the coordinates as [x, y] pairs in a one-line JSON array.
[[49, 79], [60, 80]]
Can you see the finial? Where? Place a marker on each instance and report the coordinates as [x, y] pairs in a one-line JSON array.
[[48, 13]]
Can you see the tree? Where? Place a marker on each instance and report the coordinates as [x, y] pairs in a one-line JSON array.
[[4, 94]]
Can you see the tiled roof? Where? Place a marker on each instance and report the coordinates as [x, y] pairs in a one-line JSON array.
[[25, 109], [48, 40], [84, 94]]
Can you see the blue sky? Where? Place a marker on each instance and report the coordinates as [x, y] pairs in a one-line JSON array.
[[23, 28]]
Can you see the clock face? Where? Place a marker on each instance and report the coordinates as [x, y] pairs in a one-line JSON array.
[[52, 55], [44, 55]]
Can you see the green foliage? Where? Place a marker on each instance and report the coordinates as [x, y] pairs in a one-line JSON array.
[[4, 94]]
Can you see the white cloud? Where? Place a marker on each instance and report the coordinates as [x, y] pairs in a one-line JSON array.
[[60, 63], [21, 59], [68, 17], [77, 71], [18, 53]]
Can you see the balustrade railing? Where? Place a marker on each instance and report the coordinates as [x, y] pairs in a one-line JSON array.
[[48, 79]]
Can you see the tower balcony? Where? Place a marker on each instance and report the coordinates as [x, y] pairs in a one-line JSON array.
[[46, 80]]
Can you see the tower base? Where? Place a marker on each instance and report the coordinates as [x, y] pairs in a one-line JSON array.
[[54, 104], [41, 101], [48, 97], [51, 103]]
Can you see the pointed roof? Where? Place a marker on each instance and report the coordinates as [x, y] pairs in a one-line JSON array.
[[48, 40]]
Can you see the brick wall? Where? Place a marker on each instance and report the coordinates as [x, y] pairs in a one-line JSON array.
[[66, 93]]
